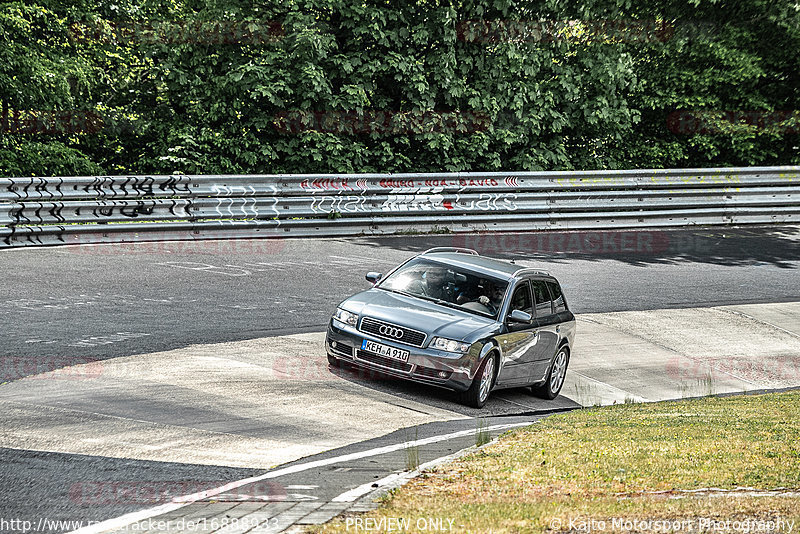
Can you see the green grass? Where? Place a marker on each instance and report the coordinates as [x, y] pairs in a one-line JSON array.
[[412, 451], [482, 435], [605, 463]]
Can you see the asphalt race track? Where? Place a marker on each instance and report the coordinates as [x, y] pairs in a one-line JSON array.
[[151, 314], [82, 303]]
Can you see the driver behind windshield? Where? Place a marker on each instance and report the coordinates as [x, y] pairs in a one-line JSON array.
[[492, 296], [424, 279], [437, 284]]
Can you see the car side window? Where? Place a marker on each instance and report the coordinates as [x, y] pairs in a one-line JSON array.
[[521, 300], [544, 305], [558, 298]]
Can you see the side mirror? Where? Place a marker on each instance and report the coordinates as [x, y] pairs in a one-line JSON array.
[[373, 278], [519, 316]]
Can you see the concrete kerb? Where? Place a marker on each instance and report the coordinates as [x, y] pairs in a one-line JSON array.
[[121, 524], [369, 500]]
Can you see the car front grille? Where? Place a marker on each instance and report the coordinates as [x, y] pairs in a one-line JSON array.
[[383, 362], [391, 332]]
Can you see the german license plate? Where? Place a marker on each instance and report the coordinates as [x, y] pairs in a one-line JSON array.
[[385, 350]]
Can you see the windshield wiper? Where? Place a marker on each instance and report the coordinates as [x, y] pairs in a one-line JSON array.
[[439, 301], [397, 291], [415, 295]]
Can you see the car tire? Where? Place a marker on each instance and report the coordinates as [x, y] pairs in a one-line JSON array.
[[481, 387], [333, 361], [555, 377]]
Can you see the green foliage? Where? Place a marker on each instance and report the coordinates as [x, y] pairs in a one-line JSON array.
[[722, 57], [222, 86], [19, 157]]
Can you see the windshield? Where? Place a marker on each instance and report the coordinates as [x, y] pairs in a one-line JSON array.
[[447, 285]]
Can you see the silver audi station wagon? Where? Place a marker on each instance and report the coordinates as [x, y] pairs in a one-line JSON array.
[[452, 318]]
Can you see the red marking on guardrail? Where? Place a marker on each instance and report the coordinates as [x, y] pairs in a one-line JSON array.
[[478, 182], [327, 184], [396, 184]]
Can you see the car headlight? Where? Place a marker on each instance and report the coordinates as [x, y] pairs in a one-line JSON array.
[[450, 345], [344, 316]]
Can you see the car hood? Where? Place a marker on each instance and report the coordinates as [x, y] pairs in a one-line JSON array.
[[419, 314]]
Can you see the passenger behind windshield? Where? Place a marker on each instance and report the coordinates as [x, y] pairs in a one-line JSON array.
[[446, 285]]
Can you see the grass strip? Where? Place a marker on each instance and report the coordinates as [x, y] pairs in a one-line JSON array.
[[624, 468]]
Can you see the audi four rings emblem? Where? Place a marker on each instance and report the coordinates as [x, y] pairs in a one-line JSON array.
[[390, 331]]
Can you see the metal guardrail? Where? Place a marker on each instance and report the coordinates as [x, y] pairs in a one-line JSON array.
[[40, 211]]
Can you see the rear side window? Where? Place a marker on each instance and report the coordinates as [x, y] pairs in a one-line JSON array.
[[541, 295], [558, 298]]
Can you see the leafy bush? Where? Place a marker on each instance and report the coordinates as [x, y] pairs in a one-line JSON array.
[[209, 87]]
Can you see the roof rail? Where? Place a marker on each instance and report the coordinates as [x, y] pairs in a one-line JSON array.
[[530, 270], [452, 249]]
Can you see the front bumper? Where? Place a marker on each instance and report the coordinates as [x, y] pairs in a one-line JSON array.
[[428, 366]]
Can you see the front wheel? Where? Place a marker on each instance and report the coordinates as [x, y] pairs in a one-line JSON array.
[[482, 384], [555, 378]]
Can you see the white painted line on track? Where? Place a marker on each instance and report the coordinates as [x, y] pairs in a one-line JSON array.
[[398, 479], [179, 502], [393, 480]]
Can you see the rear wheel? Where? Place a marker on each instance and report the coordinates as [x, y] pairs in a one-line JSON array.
[[482, 384], [555, 378]]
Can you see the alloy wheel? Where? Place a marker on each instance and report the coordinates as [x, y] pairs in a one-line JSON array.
[[486, 378], [559, 371]]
